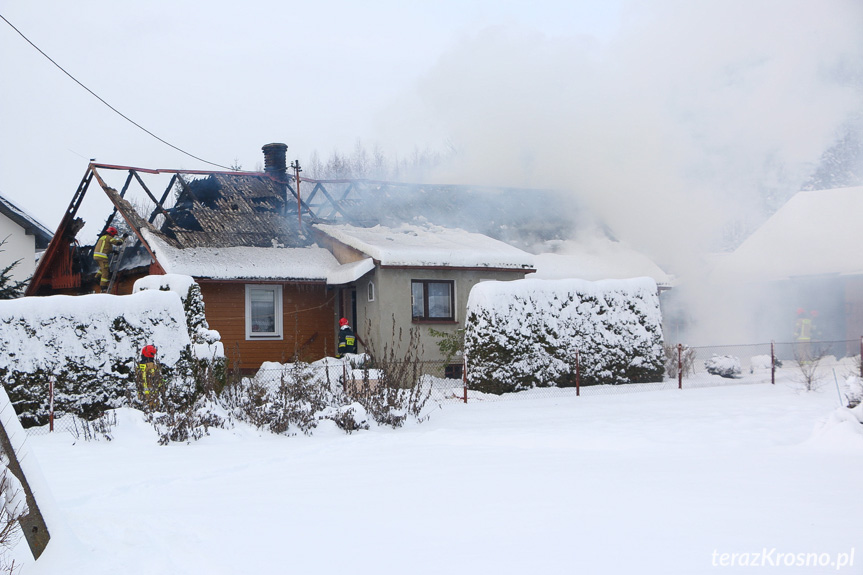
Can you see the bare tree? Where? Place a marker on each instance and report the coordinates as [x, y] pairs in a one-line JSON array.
[[360, 161], [807, 359]]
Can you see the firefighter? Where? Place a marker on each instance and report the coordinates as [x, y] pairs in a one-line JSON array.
[[347, 339], [149, 374], [103, 248], [803, 334]]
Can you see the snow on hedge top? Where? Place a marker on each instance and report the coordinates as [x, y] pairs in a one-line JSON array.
[[813, 233], [177, 283], [40, 332], [412, 245], [496, 296], [312, 263]]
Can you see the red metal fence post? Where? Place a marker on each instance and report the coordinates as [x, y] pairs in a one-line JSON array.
[[772, 363], [577, 375], [464, 377], [679, 366]]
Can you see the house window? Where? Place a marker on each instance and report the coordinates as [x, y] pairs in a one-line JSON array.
[[454, 371], [371, 291], [432, 300], [263, 312]]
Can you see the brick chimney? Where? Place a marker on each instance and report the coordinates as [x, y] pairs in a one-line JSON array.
[[275, 161]]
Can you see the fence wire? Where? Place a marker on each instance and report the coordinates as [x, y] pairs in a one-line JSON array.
[[687, 367]]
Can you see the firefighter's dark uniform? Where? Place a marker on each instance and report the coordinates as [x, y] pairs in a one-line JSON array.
[[347, 341]]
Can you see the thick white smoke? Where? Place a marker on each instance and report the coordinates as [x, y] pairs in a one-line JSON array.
[[674, 128], [671, 128]]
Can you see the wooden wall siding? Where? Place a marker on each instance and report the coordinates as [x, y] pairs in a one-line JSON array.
[[308, 319]]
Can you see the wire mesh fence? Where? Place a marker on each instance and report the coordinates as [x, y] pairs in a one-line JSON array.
[[801, 363]]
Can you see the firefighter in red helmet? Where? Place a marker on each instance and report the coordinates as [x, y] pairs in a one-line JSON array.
[[101, 251], [148, 373], [347, 339]]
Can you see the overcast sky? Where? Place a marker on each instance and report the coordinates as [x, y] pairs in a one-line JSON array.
[[661, 111]]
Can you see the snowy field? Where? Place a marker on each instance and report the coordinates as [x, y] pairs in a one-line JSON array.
[[666, 481]]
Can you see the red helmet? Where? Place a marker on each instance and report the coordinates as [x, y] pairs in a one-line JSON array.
[[149, 351], [111, 231], [343, 322]]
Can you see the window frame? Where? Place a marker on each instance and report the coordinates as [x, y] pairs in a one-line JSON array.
[[370, 291], [278, 332], [425, 318]]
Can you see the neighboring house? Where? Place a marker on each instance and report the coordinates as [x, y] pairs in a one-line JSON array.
[[595, 257], [806, 257], [275, 279], [23, 239], [416, 277]]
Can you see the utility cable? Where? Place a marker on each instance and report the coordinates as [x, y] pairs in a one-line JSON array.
[[118, 112]]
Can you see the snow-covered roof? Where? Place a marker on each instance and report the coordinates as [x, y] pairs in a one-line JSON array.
[[596, 258], [429, 245], [27, 222], [350, 272], [303, 264], [814, 233]]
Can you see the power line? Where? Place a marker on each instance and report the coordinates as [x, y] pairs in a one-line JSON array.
[[118, 112]]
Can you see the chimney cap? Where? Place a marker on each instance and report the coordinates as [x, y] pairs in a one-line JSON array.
[[275, 158]]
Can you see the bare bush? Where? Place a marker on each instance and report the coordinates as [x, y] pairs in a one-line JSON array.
[[808, 357], [686, 358], [12, 508], [100, 428], [398, 390]]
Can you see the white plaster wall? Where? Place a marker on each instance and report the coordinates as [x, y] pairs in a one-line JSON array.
[[393, 299], [18, 246]]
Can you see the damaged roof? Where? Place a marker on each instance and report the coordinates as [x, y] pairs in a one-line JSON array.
[[232, 210]]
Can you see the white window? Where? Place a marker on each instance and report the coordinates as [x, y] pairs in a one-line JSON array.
[[371, 291], [263, 312]]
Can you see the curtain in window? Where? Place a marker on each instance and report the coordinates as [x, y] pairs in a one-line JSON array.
[[263, 310], [417, 300], [440, 303]]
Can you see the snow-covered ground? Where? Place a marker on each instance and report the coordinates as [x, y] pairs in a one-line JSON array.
[[666, 481]]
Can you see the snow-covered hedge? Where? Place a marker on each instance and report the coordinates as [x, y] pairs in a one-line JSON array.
[[724, 366], [91, 344], [205, 341], [525, 333]]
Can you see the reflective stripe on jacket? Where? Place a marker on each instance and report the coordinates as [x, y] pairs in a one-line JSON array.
[[804, 329], [104, 246]]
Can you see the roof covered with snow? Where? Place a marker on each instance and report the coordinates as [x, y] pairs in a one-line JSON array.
[[814, 233], [293, 264], [596, 258], [429, 245], [27, 222]]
